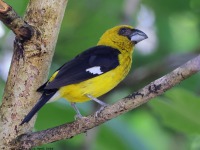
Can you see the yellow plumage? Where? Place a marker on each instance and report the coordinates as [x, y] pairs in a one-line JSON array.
[[94, 72], [97, 86], [100, 85]]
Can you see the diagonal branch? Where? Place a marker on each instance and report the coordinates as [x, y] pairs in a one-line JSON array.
[[11, 19], [126, 104]]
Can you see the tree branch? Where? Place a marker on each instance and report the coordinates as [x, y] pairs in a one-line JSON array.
[[11, 19], [27, 74], [126, 104]]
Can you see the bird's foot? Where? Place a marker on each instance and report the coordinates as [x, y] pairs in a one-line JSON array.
[[100, 110], [78, 116], [103, 105]]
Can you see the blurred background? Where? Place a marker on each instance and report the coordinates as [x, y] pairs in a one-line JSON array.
[[171, 121]]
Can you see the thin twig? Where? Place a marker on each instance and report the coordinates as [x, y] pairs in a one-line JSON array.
[[126, 104], [9, 17]]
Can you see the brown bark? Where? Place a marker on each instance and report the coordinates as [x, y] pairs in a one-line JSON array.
[[68, 130], [9, 17], [29, 68], [28, 72]]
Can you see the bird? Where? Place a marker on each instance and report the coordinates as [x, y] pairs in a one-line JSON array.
[[93, 72]]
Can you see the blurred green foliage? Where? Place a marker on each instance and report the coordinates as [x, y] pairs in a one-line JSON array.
[[179, 110], [167, 122]]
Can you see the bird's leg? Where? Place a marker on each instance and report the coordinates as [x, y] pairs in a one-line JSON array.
[[78, 114], [103, 105]]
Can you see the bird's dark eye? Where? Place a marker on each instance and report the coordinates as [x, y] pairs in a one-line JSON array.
[[122, 31]]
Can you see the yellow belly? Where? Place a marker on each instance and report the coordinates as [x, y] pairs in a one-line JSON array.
[[96, 86]]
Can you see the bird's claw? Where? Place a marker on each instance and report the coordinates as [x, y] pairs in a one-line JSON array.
[[100, 110], [78, 116]]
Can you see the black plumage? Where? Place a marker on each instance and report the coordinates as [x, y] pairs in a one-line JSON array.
[[43, 100], [74, 71]]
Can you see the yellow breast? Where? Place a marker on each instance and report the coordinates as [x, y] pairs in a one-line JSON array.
[[99, 85]]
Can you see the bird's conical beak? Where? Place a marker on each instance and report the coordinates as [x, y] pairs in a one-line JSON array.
[[137, 36]]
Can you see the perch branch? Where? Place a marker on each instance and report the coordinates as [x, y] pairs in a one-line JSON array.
[[126, 104], [10, 18]]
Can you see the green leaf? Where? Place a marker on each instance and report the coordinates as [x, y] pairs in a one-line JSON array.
[[179, 110]]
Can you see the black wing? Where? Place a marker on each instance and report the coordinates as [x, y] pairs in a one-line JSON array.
[[74, 71]]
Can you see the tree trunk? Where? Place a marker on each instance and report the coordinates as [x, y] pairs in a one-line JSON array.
[[27, 73]]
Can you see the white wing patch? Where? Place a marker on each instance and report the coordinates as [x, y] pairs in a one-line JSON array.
[[94, 70]]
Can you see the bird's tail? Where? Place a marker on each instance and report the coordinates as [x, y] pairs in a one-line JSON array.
[[43, 100]]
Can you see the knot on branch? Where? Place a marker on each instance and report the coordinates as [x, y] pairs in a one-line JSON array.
[[14, 22], [153, 88]]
